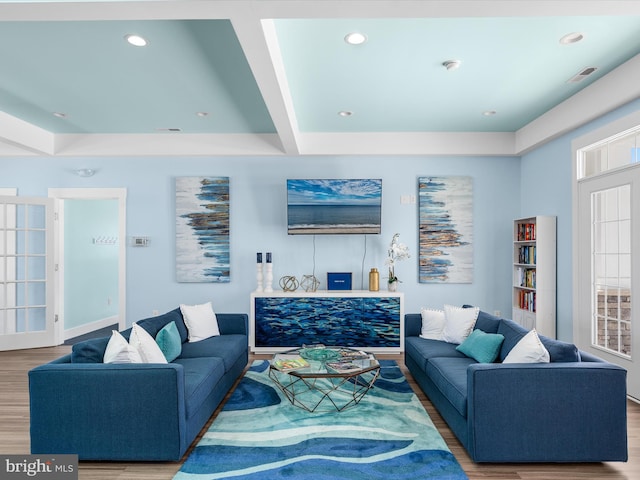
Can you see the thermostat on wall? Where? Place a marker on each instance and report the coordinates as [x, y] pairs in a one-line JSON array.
[[139, 241]]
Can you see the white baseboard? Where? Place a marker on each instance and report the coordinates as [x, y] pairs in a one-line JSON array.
[[90, 327]]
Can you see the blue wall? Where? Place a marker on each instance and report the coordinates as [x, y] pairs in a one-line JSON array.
[[258, 223], [504, 188]]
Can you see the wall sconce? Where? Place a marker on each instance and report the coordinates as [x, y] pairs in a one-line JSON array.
[[85, 172]]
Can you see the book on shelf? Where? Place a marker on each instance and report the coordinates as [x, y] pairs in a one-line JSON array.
[[288, 364], [526, 232]]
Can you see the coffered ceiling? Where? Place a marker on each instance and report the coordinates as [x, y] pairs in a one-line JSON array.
[[269, 77]]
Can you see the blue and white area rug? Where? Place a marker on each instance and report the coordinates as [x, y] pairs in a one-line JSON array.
[[259, 435]]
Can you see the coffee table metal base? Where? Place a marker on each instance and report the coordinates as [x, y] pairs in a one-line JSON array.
[[326, 392]]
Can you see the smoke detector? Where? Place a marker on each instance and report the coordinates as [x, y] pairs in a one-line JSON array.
[[451, 64]]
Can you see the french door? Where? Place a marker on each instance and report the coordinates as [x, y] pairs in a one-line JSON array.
[[609, 270], [27, 318]]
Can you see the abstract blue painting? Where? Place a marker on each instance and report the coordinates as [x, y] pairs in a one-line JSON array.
[[202, 229], [446, 229]]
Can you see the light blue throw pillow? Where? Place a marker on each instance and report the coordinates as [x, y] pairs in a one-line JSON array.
[[169, 341], [482, 347]]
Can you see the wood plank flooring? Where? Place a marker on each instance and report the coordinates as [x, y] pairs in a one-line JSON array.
[[14, 435]]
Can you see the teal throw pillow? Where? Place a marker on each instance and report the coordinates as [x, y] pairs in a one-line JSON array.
[[169, 341], [482, 347]]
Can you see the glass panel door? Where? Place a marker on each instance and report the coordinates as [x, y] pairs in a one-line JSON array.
[[611, 269], [608, 242], [26, 273]]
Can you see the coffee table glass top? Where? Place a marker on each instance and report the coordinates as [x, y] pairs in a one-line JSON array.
[[324, 377]]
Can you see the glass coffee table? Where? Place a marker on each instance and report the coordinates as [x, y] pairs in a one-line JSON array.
[[324, 378]]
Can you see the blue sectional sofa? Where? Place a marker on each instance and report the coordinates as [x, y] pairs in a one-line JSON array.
[[572, 409], [134, 412]]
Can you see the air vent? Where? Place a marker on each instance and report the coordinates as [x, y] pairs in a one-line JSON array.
[[582, 75]]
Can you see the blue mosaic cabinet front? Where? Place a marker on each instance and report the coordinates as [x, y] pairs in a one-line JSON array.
[[360, 322]]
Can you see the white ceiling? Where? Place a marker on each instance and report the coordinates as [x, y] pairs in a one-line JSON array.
[[269, 77]]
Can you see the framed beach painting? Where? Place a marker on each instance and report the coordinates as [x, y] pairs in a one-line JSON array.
[[445, 229], [202, 229]]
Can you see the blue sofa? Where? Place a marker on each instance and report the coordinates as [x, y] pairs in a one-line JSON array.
[[134, 412], [572, 409]]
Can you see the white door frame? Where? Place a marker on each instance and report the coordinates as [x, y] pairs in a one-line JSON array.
[[119, 194], [614, 128]]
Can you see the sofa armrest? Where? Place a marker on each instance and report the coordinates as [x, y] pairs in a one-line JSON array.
[[233, 323], [412, 324], [108, 411], [553, 412]]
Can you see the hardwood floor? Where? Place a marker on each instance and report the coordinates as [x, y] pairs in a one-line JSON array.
[[14, 435]]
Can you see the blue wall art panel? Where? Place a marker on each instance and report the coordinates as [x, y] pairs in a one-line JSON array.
[[202, 229], [446, 229], [344, 321]]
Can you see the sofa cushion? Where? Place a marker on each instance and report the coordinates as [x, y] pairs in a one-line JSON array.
[[486, 322], [558, 351], [146, 345], [169, 341], [201, 375], [89, 351], [118, 350], [459, 323], [449, 375], [227, 347], [422, 350], [432, 323], [154, 324], [528, 350], [200, 320], [482, 347]]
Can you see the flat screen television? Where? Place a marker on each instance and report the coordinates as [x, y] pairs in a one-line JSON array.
[[334, 206]]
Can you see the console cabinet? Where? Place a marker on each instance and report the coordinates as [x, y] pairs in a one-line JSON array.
[[361, 319], [534, 274]]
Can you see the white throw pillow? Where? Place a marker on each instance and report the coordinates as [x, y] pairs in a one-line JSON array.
[[432, 323], [146, 345], [528, 350], [459, 323], [119, 351], [200, 320]]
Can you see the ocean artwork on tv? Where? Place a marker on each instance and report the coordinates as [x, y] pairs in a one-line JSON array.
[[334, 206], [446, 229], [202, 229]]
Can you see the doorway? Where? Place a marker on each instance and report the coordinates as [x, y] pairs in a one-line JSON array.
[[91, 259]]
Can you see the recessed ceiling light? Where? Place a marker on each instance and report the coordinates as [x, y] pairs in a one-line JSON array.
[[489, 113], [355, 38], [59, 114], [202, 114], [170, 129], [136, 40], [570, 38], [345, 113]]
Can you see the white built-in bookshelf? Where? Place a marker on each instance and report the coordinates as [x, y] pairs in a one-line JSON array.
[[534, 273]]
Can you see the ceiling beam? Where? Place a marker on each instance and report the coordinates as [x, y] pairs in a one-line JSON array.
[[260, 45], [23, 135], [271, 9], [613, 90]]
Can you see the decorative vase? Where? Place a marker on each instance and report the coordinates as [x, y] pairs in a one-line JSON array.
[[393, 286], [259, 276], [268, 278], [374, 280]]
